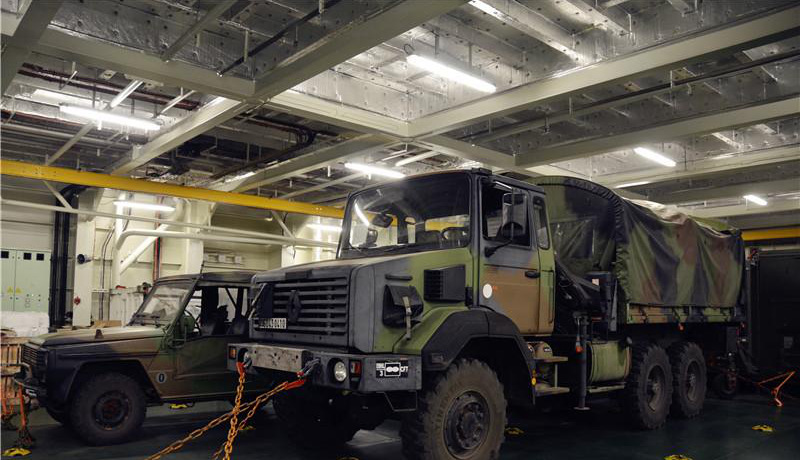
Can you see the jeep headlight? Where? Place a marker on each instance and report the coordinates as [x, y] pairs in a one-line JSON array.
[[339, 371]]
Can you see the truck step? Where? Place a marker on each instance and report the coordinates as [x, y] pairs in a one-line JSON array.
[[544, 389], [606, 389], [552, 359]]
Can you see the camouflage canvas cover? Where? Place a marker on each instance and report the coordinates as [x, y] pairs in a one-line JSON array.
[[660, 257]]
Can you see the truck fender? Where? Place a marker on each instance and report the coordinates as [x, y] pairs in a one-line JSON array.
[[490, 337]]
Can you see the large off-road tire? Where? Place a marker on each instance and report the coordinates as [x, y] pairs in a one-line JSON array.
[[307, 414], [59, 415], [461, 415], [648, 390], [689, 379], [107, 409]]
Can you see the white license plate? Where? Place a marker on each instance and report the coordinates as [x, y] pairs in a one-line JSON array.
[[275, 323]]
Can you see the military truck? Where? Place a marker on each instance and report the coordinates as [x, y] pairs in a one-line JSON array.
[[456, 294], [99, 382]]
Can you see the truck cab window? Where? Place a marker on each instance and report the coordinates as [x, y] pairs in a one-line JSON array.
[[540, 222], [505, 215]]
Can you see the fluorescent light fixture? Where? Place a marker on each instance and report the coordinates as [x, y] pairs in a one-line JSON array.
[[240, 176], [654, 156], [633, 184], [52, 97], [361, 216], [325, 227], [106, 117], [374, 170], [451, 73], [755, 199], [147, 206]]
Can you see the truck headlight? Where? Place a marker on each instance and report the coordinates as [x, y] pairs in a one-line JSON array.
[[339, 371]]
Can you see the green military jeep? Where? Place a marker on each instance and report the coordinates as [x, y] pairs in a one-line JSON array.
[[100, 381]]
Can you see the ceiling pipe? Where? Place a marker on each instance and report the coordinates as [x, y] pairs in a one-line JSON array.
[[137, 252], [287, 241], [207, 237]]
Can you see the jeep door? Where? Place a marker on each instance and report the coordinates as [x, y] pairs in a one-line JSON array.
[[510, 271], [216, 314]]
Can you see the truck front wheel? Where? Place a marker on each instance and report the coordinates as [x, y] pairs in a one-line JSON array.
[[688, 379], [461, 415], [648, 390], [107, 409]]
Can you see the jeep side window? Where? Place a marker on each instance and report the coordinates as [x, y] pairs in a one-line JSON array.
[[540, 222], [505, 215]]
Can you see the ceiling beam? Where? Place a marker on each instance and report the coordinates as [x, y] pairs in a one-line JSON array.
[[212, 114], [731, 118], [531, 24], [337, 47], [221, 7], [728, 191], [678, 53], [351, 40], [364, 144], [707, 167], [96, 53], [745, 209], [30, 28], [90, 179]]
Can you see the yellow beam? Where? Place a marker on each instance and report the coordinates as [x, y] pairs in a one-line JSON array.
[[90, 179], [771, 234]]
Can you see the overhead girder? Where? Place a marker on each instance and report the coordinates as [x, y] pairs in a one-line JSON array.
[[728, 191]]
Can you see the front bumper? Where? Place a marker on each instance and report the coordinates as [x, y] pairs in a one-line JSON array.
[[379, 373], [31, 386]]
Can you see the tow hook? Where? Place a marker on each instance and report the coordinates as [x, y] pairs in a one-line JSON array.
[[309, 368]]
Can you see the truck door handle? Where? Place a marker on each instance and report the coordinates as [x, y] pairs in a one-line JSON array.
[[532, 273]]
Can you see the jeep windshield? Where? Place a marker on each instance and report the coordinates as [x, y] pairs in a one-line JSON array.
[[421, 214], [163, 304]]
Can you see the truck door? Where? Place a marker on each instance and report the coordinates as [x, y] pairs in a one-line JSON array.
[[201, 361], [510, 272]]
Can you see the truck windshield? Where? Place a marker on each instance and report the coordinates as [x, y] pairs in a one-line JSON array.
[[163, 303], [421, 214]]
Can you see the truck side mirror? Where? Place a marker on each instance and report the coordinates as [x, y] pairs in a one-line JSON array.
[[371, 239]]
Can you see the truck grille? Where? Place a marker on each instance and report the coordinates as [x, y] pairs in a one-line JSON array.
[[35, 358], [323, 309]]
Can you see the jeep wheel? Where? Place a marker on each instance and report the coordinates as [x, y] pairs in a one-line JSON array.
[[309, 414], [107, 409], [688, 379], [461, 415], [648, 391], [59, 415]]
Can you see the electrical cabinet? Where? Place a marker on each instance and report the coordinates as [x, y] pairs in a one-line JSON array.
[[25, 279]]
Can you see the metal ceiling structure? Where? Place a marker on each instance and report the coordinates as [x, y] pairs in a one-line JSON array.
[[270, 97]]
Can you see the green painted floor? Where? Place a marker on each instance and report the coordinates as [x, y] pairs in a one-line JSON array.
[[724, 431]]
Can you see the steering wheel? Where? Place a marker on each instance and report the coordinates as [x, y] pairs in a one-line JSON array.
[[456, 235]]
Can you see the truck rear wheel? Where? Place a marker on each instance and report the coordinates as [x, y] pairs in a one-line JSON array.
[[462, 415], [689, 379], [648, 391], [306, 414], [107, 409]]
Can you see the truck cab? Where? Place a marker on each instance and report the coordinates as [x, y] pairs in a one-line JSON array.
[[446, 302]]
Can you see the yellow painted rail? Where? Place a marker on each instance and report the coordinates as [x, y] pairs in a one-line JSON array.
[[90, 179], [771, 234]]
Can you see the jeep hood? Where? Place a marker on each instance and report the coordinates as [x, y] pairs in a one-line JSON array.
[[86, 336]]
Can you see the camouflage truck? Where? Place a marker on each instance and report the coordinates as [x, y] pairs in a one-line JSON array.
[[99, 382], [456, 294]]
